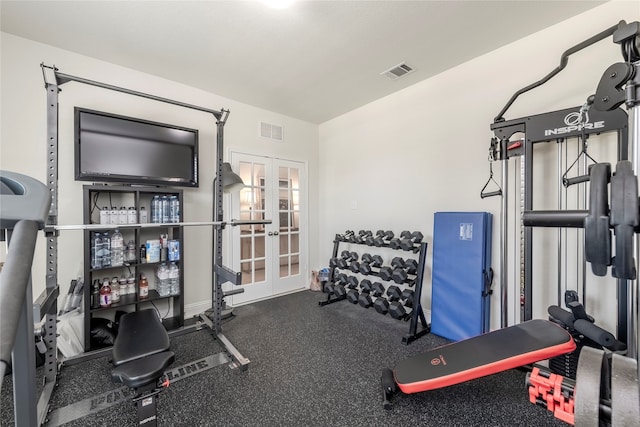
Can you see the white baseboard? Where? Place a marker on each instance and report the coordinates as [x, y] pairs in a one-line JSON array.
[[191, 310], [272, 296]]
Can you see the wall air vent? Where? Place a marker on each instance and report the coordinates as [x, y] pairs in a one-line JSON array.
[[397, 71], [270, 131]]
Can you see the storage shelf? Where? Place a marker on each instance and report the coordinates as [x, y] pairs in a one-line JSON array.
[[139, 233], [130, 299]]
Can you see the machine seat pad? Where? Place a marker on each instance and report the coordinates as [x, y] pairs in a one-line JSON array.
[[140, 335], [141, 372]]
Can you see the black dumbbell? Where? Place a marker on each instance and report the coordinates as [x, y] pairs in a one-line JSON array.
[[349, 256], [337, 287], [362, 235], [352, 296], [407, 297], [394, 293], [340, 279], [398, 262], [377, 289], [365, 268], [395, 242], [374, 260], [329, 287], [345, 236], [369, 239], [408, 243], [397, 311], [412, 266], [382, 238], [352, 282], [399, 275], [350, 236], [365, 300], [354, 266], [366, 286], [339, 291], [333, 262], [346, 257], [385, 273], [369, 261], [381, 305]]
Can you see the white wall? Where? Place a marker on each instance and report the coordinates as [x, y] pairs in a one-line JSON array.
[[23, 150], [392, 163]]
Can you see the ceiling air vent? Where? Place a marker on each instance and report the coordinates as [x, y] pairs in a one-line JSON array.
[[270, 131], [398, 71]]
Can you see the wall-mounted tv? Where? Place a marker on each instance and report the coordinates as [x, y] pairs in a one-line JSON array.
[[112, 148]]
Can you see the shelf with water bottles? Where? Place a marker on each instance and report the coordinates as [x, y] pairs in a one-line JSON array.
[[133, 253]]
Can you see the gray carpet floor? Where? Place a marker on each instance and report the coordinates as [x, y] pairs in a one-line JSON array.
[[310, 366]]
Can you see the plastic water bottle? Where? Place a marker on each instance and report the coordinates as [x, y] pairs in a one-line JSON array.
[[174, 209], [113, 216], [104, 216], [132, 215], [117, 249], [143, 215], [164, 201], [122, 215], [115, 290], [105, 250], [156, 212], [174, 279], [162, 280], [130, 253], [96, 241]]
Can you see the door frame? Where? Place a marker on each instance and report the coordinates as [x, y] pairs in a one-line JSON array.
[[304, 220]]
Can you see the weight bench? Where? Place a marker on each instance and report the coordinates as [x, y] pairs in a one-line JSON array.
[[486, 354], [140, 356]]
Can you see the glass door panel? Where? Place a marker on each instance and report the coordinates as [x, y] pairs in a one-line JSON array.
[[269, 256]]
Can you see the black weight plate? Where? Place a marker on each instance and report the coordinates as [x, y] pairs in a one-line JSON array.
[[625, 397], [624, 218], [597, 245], [587, 391]]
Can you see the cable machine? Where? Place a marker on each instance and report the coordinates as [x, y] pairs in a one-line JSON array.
[[604, 117]]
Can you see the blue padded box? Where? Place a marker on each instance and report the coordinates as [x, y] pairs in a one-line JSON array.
[[461, 274]]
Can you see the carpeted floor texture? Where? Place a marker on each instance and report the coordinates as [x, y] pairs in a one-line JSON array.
[[310, 366]]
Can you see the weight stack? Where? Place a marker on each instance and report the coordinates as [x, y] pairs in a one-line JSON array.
[[567, 364]]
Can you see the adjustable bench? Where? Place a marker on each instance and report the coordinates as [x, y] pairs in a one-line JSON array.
[[140, 356], [475, 357]]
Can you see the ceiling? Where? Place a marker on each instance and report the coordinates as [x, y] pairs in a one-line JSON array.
[[313, 61]]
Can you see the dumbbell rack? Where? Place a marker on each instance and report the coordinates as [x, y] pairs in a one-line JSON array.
[[417, 313]]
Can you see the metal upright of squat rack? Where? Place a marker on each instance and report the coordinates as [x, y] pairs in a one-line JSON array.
[[46, 304]]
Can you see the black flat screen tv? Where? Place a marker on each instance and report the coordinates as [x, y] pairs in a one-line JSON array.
[[113, 148]]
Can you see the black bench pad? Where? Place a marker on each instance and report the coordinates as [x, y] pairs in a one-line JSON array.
[[141, 334], [141, 372]]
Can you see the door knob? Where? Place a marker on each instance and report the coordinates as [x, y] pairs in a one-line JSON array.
[[270, 233], [275, 233]]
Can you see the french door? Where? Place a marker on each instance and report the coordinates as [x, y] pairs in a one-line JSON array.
[[271, 257]]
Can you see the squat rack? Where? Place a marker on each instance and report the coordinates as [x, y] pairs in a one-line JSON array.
[[47, 302]]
